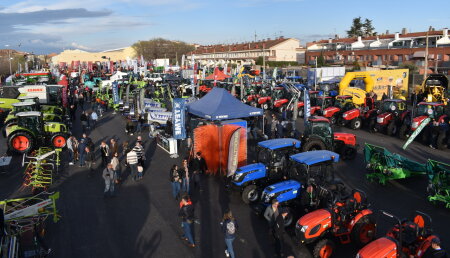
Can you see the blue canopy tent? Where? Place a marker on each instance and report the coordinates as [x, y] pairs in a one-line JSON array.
[[219, 105]]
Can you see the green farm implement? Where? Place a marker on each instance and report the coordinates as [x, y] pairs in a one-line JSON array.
[[384, 166], [439, 182]]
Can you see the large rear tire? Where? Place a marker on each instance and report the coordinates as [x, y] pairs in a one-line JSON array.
[[364, 231], [323, 249], [20, 142], [250, 194], [314, 144]]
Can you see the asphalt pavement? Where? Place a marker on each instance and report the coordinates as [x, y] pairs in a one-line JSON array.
[[141, 221]]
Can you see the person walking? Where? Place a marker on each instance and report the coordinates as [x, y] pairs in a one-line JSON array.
[[132, 161], [90, 160], [116, 167], [113, 147], [229, 228], [81, 150], [81, 100], [125, 148], [185, 177], [140, 124], [108, 177], [435, 250], [186, 214], [75, 145], [176, 180], [140, 153], [198, 167], [279, 233], [70, 146], [72, 111], [271, 213], [129, 127], [104, 152], [273, 126], [94, 118], [84, 121]]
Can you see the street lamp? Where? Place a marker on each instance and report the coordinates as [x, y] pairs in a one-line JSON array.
[[9, 58]]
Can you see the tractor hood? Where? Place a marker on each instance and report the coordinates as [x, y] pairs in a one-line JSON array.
[[312, 225], [249, 173], [417, 121], [352, 113], [381, 118], [347, 138], [382, 247], [330, 111], [282, 191]]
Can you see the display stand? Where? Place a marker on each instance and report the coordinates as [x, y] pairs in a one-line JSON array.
[[167, 144]]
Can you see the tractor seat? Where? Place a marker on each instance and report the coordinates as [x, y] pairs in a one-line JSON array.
[[409, 233], [360, 198]]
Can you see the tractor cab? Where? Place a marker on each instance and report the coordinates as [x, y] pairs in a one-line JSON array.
[[31, 120], [272, 160], [24, 107], [314, 165], [392, 105], [431, 109], [280, 97], [390, 117], [319, 127], [52, 109]]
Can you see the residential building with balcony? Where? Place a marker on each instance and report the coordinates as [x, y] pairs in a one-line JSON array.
[[385, 51], [279, 49]]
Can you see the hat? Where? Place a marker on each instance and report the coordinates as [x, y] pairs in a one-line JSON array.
[[286, 210], [435, 240]]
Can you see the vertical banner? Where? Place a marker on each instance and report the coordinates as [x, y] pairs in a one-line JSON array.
[[416, 132], [115, 92], [178, 119], [233, 152], [111, 67], [307, 106]]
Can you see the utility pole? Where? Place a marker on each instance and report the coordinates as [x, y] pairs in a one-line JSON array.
[[264, 62], [426, 58], [9, 58]]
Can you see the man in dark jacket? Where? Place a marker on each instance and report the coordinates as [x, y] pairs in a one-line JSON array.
[[435, 250], [198, 166], [279, 232], [186, 213]]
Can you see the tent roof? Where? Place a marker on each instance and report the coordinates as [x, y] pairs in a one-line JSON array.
[[220, 75], [219, 104]]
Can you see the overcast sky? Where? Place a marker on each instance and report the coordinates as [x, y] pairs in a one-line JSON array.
[[44, 26]]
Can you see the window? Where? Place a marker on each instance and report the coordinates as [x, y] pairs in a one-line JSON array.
[[400, 58], [274, 53]]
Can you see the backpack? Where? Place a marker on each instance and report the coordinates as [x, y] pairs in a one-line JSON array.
[[231, 228]]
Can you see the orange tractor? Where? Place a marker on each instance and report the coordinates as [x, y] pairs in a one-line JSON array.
[[347, 220]]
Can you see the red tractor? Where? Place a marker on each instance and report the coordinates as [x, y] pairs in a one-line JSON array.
[[301, 103], [406, 239], [348, 220], [358, 116], [391, 116], [280, 98], [342, 103], [251, 98], [264, 98], [435, 110], [319, 103]]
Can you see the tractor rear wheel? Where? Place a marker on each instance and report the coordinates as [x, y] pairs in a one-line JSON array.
[[364, 231], [59, 140], [356, 123], [392, 129], [289, 218], [20, 142], [250, 194], [348, 152], [403, 133], [323, 249], [265, 106], [314, 144]]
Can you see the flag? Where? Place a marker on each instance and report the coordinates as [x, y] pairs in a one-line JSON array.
[[178, 118], [233, 152], [307, 106], [416, 132]]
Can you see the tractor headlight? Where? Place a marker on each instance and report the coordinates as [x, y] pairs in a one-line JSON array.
[[325, 112], [303, 229], [380, 120], [237, 176], [268, 197], [415, 125], [344, 115]]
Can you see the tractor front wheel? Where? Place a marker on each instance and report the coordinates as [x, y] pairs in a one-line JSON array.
[[372, 126], [323, 249], [348, 152], [20, 142], [392, 129], [314, 144], [403, 133], [356, 123], [364, 231], [265, 106], [250, 194], [59, 140]]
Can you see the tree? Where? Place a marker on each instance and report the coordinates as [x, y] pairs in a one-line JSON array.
[[162, 48], [412, 67], [320, 60], [368, 28], [357, 28]]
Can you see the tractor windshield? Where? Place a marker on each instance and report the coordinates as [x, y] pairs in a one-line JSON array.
[[54, 95], [322, 129], [29, 122], [389, 106], [431, 111], [24, 108]]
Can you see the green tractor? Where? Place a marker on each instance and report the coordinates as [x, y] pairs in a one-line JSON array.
[[27, 107], [49, 109], [31, 131]]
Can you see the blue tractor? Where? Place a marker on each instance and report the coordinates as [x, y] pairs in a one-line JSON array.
[[309, 189], [272, 160]]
